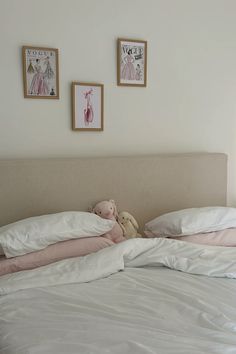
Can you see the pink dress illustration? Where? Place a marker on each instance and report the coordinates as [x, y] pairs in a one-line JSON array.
[[88, 111], [39, 84], [128, 71]]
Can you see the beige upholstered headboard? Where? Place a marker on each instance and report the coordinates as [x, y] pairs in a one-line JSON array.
[[146, 186]]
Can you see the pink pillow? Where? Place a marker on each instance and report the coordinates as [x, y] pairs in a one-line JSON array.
[[54, 253], [225, 238]]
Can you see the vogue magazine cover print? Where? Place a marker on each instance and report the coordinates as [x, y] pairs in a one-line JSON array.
[[40, 72], [132, 57]]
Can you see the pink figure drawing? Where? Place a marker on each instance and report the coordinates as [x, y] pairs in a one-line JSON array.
[[88, 111], [38, 84], [128, 71]]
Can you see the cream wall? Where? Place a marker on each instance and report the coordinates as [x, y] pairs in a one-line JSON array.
[[188, 106]]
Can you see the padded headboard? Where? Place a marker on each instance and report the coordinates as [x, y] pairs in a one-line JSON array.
[[146, 186]]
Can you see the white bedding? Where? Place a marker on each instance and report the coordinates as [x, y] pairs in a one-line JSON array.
[[137, 311], [187, 257], [146, 308]]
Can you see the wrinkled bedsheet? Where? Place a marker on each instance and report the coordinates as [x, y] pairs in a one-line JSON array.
[[124, 299], [191, 258], [136, 311]]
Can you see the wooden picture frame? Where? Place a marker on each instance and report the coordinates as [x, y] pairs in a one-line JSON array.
[[87, 106], [131, 62], [40, 72]]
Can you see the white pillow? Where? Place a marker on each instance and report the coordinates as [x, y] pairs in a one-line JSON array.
[[38, 232], [191, 221]]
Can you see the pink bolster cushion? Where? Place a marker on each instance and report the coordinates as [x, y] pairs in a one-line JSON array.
[[54, 253]]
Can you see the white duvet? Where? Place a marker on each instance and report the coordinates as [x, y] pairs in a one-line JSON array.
[[183, 256], [145, 309]]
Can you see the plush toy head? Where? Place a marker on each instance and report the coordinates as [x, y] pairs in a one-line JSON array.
[[106, 209]]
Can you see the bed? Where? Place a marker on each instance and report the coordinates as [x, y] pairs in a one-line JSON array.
[[129, 298]]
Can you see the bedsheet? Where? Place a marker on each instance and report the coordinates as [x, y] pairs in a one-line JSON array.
[[145, 310], [179, 255], [141, 296]]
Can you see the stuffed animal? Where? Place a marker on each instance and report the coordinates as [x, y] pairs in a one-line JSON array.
[[107, 210], [130, 224]]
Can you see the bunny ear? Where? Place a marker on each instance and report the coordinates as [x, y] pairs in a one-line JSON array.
[[115, 208], [90, 209], [134, 222]]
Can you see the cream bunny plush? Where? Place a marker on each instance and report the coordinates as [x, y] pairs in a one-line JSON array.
[[129, 223], [107, 209]]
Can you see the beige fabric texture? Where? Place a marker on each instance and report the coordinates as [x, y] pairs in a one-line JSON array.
[[145, 186]]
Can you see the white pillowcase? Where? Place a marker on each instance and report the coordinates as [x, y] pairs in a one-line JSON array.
[[38, 232], [191, 221]]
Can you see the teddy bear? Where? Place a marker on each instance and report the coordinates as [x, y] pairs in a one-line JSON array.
[[107, 209], [129, 224]]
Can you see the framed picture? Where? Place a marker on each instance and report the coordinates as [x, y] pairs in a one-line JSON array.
[[131, 62], [87, 106], [40, 72]]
